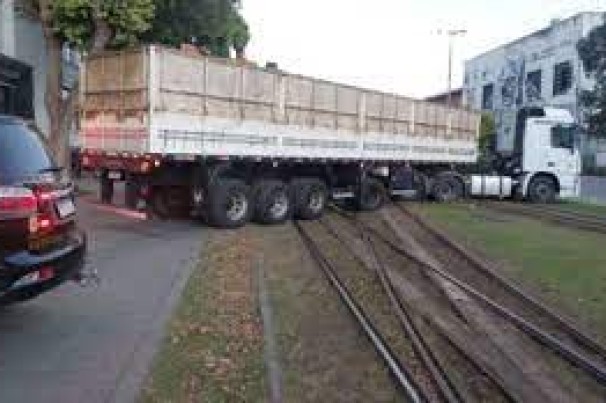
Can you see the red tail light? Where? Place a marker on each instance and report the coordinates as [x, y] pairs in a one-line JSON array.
[[17, 202]]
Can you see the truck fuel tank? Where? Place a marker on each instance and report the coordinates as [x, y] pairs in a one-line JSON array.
[[491, 186]]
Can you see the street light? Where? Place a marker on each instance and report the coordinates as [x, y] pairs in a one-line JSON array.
[[452, 33]]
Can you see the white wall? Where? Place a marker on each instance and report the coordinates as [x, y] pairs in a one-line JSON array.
[[7, 28], [22, 39], [30, 48]]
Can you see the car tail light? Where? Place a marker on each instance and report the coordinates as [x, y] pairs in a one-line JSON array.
[[17, 202]]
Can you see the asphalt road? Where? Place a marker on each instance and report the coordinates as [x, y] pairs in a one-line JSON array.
[[95, 344]]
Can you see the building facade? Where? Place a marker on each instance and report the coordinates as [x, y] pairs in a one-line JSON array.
[[22, 40], [540, 69]]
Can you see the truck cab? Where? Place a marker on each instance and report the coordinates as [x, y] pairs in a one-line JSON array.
[[551, 153], [543, 160]]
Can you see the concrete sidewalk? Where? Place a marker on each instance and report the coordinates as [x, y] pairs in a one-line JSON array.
[[96, 344]]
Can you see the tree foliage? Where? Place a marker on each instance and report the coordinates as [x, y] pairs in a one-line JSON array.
[[215, 24], [487, 132], [592, 51], [89, 25]]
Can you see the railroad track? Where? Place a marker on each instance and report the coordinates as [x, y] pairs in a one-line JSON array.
[[584, 221], [447, 325]]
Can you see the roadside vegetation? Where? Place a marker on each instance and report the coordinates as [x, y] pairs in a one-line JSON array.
[[213, 350], [566, 267]]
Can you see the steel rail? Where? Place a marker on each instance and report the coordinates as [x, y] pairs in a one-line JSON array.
[[578, 335], [445, 385], [403, 378], [574, 357]]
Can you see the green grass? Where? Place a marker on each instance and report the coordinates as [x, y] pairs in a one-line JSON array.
[[213, 349], [567, 267], [583, 207]]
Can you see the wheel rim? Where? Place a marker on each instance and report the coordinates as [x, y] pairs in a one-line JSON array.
[[316, 201], [237, 206], [279, 207], [445, 191], [543, 191]]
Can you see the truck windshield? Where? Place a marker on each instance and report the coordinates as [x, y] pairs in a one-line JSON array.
[[564, 136]]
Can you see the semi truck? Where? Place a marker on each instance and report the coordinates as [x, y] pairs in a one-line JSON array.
[[230, 142]]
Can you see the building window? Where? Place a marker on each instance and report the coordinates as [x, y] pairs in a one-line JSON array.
[[533, 86], [487, 96], [562, 78]]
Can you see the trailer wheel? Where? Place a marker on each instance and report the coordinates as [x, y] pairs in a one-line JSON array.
[[447, 188], [272, 201], [542, 189], [106, 188], [310, 196], [132, 191], [420, 183], [229, 203], [372, 195]]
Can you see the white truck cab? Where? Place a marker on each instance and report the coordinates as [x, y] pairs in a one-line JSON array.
[[550, 151], [538, 159]]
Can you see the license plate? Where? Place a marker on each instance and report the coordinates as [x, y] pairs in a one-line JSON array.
[[115, 175], [65, 207], [34, 277], [28, 279]]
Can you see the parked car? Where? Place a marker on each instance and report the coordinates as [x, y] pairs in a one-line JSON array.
[[41, 245]]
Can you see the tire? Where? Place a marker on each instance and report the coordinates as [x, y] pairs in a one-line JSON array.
[[372, 195], [272, 202], [420, 183], [106, 189], [229, 203], [310, 196], [131, 193], [447, 188], [542, 189]]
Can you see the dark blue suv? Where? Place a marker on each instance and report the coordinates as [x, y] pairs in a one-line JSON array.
[[40, 243]]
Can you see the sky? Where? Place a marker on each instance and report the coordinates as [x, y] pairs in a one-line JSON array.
[[391, 45]]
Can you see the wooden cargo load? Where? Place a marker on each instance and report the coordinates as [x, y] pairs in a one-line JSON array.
[[162, 101]]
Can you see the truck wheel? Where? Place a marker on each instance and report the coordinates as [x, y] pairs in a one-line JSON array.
[[420, 181], [542, 189], [372, 195], [229, 203], [447, 188], [106, 188], [272, 201], [310, 196], [131, 193]]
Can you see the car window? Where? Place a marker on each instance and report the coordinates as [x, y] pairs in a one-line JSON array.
[[22, 153]]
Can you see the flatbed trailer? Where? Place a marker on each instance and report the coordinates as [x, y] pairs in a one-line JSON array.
[[228, 141]]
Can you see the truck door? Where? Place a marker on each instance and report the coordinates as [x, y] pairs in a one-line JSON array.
[[563, 158]]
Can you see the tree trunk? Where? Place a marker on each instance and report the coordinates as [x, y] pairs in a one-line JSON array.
[[58, 135]]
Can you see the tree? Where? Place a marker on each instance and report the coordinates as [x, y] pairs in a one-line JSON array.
[[592, 51], [214, 24], [487, 132], [91, 26]]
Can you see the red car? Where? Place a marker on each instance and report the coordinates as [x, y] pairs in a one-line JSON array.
[[41, 245]]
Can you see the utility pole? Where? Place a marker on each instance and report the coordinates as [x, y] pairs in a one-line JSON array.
[[452, 34]]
